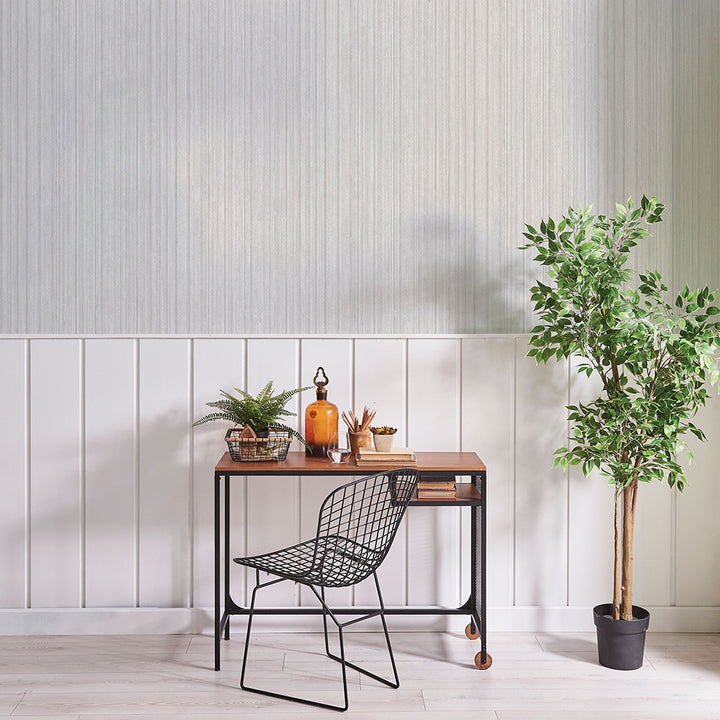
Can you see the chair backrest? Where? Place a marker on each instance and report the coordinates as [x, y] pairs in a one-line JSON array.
[[357, 525]]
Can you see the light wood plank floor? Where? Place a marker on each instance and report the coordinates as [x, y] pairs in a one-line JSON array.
[[533, 676]]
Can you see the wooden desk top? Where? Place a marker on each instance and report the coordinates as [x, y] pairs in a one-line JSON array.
[[297, 463]]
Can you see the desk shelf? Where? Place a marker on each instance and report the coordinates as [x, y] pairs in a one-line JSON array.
[[466, 495]]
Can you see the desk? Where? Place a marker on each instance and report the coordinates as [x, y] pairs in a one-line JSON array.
[[429, 464]]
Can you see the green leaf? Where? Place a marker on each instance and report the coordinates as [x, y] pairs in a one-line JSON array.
[[260, 412], [651, 360]]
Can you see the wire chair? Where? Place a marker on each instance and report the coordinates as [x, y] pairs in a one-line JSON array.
[[356, 526]]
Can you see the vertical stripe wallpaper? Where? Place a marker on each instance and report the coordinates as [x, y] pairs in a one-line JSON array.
[[366, 166]]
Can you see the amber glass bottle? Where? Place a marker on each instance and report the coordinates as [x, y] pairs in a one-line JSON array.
[[321, 419]]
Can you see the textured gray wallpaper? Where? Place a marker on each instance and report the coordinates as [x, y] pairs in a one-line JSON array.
[[208, 166]]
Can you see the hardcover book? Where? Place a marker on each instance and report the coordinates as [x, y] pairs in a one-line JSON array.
[[394, 454]]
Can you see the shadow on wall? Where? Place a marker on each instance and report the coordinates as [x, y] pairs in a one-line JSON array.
[[456, 280], [540, 489], [696, 161]]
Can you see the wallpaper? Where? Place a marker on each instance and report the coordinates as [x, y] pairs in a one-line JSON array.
[[365, 166]]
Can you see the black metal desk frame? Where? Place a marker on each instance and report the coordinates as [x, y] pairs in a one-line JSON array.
[[475, 606]]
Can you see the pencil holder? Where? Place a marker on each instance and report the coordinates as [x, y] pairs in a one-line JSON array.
[[359, 440]]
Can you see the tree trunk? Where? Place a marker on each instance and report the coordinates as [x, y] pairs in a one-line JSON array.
[[629, 499], [618, 554]]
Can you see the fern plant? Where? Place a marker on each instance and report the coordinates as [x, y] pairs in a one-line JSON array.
[[261, 413]]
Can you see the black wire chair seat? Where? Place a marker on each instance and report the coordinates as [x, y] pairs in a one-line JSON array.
[[326, 562], [356, 526]]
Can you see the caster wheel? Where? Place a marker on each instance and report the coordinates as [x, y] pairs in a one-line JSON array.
[[471, 632], [483, 665]]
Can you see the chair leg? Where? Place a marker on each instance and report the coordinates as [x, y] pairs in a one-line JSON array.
[[324, 618], [304, 701], [249, 625], [258, 585], [395, 683]]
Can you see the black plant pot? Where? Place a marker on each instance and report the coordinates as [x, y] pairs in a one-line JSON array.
[[621, 643]]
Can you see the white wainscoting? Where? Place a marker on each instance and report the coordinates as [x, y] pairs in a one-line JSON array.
[[106, 512]]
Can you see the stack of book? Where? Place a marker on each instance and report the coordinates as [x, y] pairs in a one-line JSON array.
[[436, 489], [396, 456]]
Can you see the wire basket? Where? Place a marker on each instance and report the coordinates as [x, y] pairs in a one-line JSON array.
[[258, 449]]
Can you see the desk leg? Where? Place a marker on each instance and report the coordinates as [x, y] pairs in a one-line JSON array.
[[227, 553], [218, 617], [484, 661], [475, 626], [477, 604]]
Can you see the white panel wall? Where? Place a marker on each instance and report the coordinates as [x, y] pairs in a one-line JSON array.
[[540, 491], [217, 364], [164, 472], [108, 488], [381, 384], [433, 372], [110, 473], [695, 520], [335, 356], [590, 504], [356, 167], [488, 428], [273, 516], [56, 479], [14, 525]]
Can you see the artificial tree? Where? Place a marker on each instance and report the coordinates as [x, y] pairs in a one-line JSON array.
[[654, 359]]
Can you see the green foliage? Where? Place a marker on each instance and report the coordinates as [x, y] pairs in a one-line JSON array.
[[654, 358], [260, 413]]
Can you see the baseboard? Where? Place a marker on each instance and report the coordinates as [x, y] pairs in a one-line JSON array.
[[580, 619], [104, 621], [169, 621]]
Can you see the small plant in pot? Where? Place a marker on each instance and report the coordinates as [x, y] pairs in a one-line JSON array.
[[654, 360], [262, 414], [383, 437]]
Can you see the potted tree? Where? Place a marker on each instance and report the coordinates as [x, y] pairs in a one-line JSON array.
[[654, 360], [259, 433]]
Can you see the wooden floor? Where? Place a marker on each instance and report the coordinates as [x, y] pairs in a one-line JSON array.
[[533, 676]]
